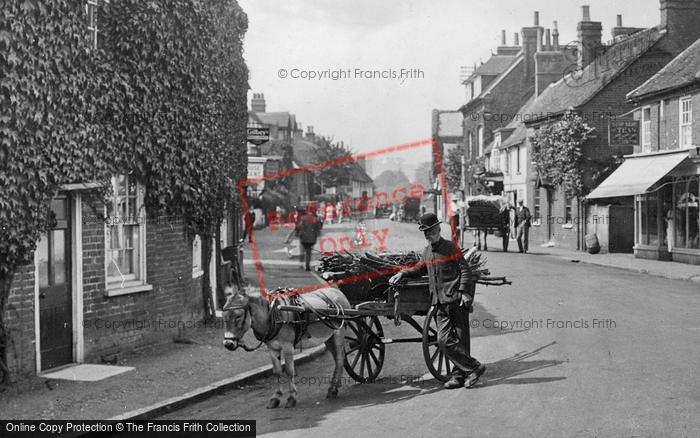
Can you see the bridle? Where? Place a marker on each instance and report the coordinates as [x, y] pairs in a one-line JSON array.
[[247, 314]]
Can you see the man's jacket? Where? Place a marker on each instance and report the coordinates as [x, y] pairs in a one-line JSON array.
[[447, 276], [522, 217], [308, 232]]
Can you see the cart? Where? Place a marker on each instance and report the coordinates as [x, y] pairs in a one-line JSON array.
[[489, 214], [371, 296]]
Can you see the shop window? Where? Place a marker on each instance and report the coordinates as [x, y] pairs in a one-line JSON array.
[[686, 219], [649, 229]]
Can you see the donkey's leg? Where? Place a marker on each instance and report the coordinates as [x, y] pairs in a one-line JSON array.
[[277, 372], [335, 346], [289, 371], [486, 247]]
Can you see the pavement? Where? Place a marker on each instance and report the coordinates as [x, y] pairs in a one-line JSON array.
[[169, 376]]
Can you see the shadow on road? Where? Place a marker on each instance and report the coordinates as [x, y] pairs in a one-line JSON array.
[[507, 371]]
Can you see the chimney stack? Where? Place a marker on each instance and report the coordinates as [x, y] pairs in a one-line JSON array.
[[586, 13], [505, 50], [257, 104], [680, 18], [589, 39], [532, 43], [310, 136]]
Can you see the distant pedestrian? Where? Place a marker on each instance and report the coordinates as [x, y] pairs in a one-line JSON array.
[[307, 232], [329, 211], [522, 223], [339, 211]]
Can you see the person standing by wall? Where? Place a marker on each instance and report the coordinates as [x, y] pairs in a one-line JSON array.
[[452, 292], [522, 222]]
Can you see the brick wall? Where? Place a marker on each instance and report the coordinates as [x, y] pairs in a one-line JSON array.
[[120, 322], [19, 321], [172, 308]]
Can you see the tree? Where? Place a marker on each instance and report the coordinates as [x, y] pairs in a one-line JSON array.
[[556, 152], [453, 169], [337, 171], [162, 97], [388, 181], [422, 174]]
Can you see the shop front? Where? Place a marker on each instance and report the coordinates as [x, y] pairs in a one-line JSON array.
[[666, 190]]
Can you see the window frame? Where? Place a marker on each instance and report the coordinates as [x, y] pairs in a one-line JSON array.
[[197, 268], [646, 129], [131, 283], [689, 124], [91, 5]]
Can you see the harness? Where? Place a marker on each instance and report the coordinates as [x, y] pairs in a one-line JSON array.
[[299, 320]]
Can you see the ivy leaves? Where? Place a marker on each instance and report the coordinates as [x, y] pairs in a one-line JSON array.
[[556, 151]]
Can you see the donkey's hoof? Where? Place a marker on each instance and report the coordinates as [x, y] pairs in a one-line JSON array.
[[291, 402], [332, 392], [275, 402]]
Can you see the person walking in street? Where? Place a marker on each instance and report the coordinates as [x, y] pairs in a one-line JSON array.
[[522, 223], [339, 211], [452, 293], [307, 231]]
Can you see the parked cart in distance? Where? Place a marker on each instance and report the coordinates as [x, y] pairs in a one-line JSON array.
[[488, 214]]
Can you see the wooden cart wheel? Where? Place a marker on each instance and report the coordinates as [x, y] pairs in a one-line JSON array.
[[364, 349], [438, 364]]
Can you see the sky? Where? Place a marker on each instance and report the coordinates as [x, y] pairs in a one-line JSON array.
[[290, 40]]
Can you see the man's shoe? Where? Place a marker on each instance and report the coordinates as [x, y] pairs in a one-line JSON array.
[[474, 377], [454, 383]]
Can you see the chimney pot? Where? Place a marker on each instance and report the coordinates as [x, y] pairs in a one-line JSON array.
[[586, 13], [548, 41], [516, 40], [503, 37], [555, 37], [537, 18], [619, 21]]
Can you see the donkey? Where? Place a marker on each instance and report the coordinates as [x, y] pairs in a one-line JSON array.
[[282, 330]]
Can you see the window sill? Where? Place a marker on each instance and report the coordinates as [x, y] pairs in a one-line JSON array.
[[129, 287], [197, 273], [536, 224], [686, 251], [567, 226]]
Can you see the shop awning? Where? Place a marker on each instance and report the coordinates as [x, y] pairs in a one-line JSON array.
[[636, 175]]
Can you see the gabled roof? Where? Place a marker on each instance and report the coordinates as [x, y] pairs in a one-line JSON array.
[[279, 119], [357, 173], [683, 70], [253, 118], [574, 91], [496, 65], [304, 152]]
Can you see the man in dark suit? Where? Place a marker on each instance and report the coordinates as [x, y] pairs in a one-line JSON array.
[[307, 231], [522, 222], [452, 293]]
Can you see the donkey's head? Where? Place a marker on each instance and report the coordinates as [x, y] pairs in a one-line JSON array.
[[237, 318]]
